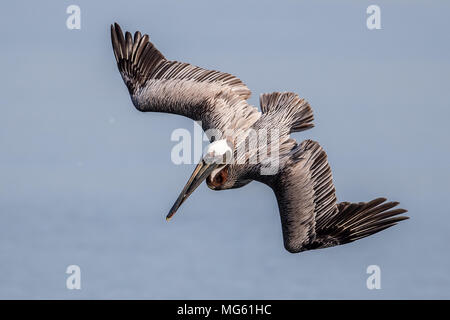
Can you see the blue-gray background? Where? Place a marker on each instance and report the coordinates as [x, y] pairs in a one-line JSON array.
[[86, 179]]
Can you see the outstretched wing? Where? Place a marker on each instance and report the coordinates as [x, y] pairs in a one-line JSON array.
[[215, 98], [311, 218]]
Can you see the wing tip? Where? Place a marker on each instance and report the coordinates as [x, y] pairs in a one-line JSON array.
[[135, 58], [371, 220]]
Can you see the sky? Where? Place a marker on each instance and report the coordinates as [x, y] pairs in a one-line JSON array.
[[86, 179]]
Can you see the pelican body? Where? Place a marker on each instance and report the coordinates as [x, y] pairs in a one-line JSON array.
[[301, 178]]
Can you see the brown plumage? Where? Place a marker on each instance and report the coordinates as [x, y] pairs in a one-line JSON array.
[[311, 217]]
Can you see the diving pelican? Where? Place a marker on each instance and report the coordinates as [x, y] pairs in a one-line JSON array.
[[311, 217]]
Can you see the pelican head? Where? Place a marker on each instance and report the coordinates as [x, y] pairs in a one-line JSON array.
[[213, 167]]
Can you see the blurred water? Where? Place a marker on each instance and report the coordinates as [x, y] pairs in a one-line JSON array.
[[85, 179]]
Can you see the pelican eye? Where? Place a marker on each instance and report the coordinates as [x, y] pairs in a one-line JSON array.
[[220, 178]]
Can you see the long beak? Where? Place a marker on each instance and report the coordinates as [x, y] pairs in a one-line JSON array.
[[201, 172]]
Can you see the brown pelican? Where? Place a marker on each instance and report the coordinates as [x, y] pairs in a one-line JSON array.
[[311, 217]]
